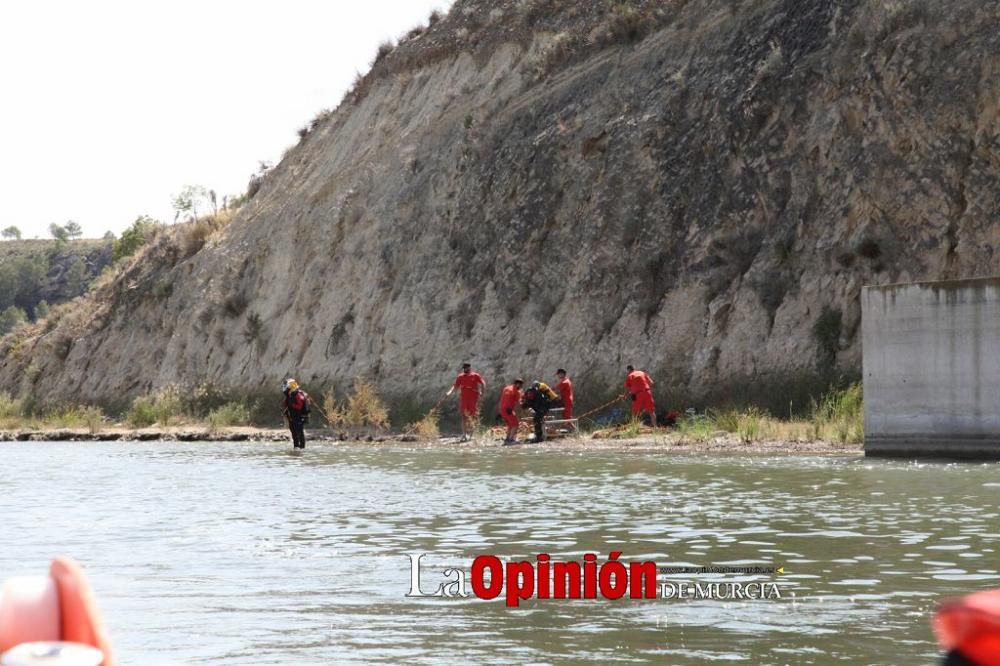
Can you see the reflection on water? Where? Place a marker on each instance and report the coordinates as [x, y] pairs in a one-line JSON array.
[[244, 554]]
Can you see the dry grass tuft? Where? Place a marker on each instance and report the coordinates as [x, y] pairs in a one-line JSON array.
[[428, 428], [364, 408]]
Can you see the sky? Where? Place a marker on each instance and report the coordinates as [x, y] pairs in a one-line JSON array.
[[110, 107]]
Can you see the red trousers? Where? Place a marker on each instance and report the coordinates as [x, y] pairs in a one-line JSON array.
[[643, 403], [510, 420], [468, 405]]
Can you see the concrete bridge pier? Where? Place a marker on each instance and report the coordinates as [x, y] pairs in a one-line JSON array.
[[932, 369]]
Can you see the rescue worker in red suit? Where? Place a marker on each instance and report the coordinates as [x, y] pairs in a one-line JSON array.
[[565, 389], [640, 387], [295, 407], [471, 387], [510, 398]]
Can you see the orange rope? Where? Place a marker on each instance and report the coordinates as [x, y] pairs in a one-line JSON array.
[[602, 407]]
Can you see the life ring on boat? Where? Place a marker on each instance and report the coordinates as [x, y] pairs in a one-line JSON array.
[[969, 628], [57, 607]]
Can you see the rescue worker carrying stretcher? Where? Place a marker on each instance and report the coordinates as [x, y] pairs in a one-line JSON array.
[[539, 399]]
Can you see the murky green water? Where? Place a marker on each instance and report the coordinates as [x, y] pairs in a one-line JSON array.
[[246, 554]]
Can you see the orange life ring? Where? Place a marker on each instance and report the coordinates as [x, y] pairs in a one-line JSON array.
[[58, 608], [971, 626]]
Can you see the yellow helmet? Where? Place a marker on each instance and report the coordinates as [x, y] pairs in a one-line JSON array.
[[292, 385]]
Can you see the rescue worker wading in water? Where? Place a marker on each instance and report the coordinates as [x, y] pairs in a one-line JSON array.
[[295, 407], [539, 398]]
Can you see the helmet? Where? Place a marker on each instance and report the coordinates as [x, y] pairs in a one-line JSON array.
[[292, 385]]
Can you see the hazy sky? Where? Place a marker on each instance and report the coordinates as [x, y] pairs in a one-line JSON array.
[[108, 107]]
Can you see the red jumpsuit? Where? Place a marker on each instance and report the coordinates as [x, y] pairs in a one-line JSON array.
[[509, 399], [640, 386], [468, 392], [565, 388]]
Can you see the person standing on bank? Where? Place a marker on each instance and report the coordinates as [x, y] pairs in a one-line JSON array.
[[640, 386], [295, 407], [565, 388], [471, 387], [510, 398]]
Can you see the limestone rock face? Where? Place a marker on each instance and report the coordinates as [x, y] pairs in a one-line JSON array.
[[700, 189]]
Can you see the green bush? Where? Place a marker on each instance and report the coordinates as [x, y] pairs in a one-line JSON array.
[[11, 318], [229, 414], [727, 421], [143, 413], [746, 423], [750, 424], [163, 407], [695, 427], [10, 407], [841, 414], [76, 416]]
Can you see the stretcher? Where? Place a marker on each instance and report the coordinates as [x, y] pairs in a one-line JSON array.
[[555, 426]]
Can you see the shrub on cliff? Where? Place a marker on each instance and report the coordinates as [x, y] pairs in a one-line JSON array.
[[134, 237]]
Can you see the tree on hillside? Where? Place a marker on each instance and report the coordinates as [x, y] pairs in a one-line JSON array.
[[12, 232], [188, 200], [134, 237], [73, 230], [8, 284], [42, 310], [76, 277], [59, 232], [10, 318]]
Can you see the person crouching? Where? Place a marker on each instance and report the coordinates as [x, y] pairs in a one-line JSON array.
[[539, 398]]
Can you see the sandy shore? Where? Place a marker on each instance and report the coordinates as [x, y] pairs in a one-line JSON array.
[[668, 441]]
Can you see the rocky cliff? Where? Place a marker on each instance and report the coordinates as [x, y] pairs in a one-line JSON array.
[[700, 188]]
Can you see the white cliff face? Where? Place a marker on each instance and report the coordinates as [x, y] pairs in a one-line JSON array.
[[705, 203]]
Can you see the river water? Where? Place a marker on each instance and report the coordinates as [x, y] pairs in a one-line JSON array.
[[248, 554]]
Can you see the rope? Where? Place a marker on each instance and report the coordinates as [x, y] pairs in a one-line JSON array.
[[602, 407], [320, 409]]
